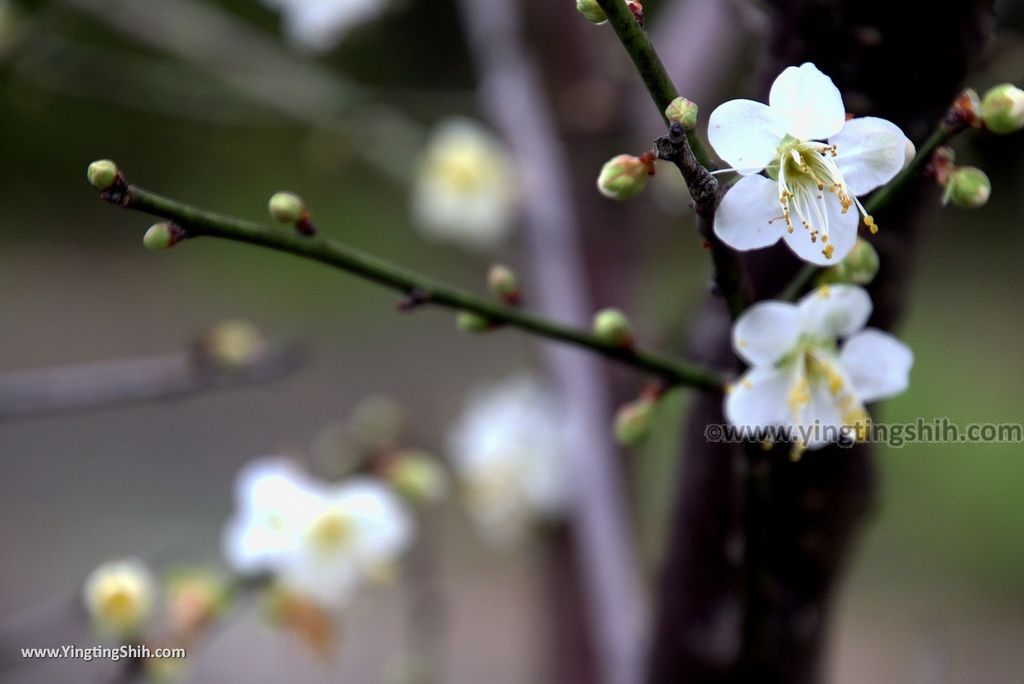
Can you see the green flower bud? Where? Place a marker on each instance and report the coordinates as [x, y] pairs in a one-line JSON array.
[[102, 174], [470, 322], [161, 236], [612, 326], [418, 476], [592, 11], [623, 177], [287, 207], [968, 187], [504, 283], [683, 111], [1002, 109], [634, 422], [859, 267]]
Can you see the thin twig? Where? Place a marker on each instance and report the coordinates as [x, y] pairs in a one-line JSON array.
[[198, 222], [47, 391]]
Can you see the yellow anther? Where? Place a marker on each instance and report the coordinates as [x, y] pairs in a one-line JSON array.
[[828, 251]]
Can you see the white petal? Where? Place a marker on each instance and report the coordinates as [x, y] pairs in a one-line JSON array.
[[834, 311], [766, 332], [842, 235], [384, 527], [870, 152], [877, 364], [746, 134], [250, 545], [759, 399], [329, 581], [821, 421], [749, 215], [808, 102]]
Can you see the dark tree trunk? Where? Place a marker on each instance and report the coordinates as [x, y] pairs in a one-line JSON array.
[[758, 542]]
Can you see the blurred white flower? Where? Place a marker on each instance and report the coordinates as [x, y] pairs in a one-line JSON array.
[[119, 596], [316, 538], [509, 451], [464, 188], [320, 25]]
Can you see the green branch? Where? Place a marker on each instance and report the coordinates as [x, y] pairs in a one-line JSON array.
[[881, 199], [196, 222], [638, 44]]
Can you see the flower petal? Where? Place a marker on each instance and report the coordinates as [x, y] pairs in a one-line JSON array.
[[746, 134], [760, 398], [877, 364], [766, 332], [821, 422], [384, 527], [834, 311], [808, 102], [749, 215], [870, 152], [842, 235]]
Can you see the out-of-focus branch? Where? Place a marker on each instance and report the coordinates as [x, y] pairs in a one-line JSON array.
[[512, 95], [46, 391]]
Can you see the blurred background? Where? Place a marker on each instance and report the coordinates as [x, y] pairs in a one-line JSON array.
[[934, 593]]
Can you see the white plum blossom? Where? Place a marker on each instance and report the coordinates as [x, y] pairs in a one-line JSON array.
[[317, 538], [319, 25], [810, 195], [120, 596], [509, 451], [801, 377], [465, 187]]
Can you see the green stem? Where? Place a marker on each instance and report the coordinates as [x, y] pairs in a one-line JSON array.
[[197, 222], [638, 44], [942, 135]]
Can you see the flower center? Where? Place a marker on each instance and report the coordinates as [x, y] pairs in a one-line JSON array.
[[814, 366], [806, 170], [331, 531]]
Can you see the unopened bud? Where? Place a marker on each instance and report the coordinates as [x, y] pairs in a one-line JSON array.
[[682, 111], [623, 177], [470, 322], [592, 11], [119, 596], [634, 422], [418, 476], [161, 236], [102, 174], [613, 327], [232, 344], [504, 283], [966, 110], [858, 268], [968, 187], [287, 207], [194, 597], [1002, 110]]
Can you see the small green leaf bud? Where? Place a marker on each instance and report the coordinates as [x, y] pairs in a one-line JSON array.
[[592, 11], [1002, 109], [612, 326], [968, 187], [161, 236], [418, 476], [634, 422], [470, 322], [102, 174], [858, 268], [682, 111], [504, 283], [287, 207], [623, 177]]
